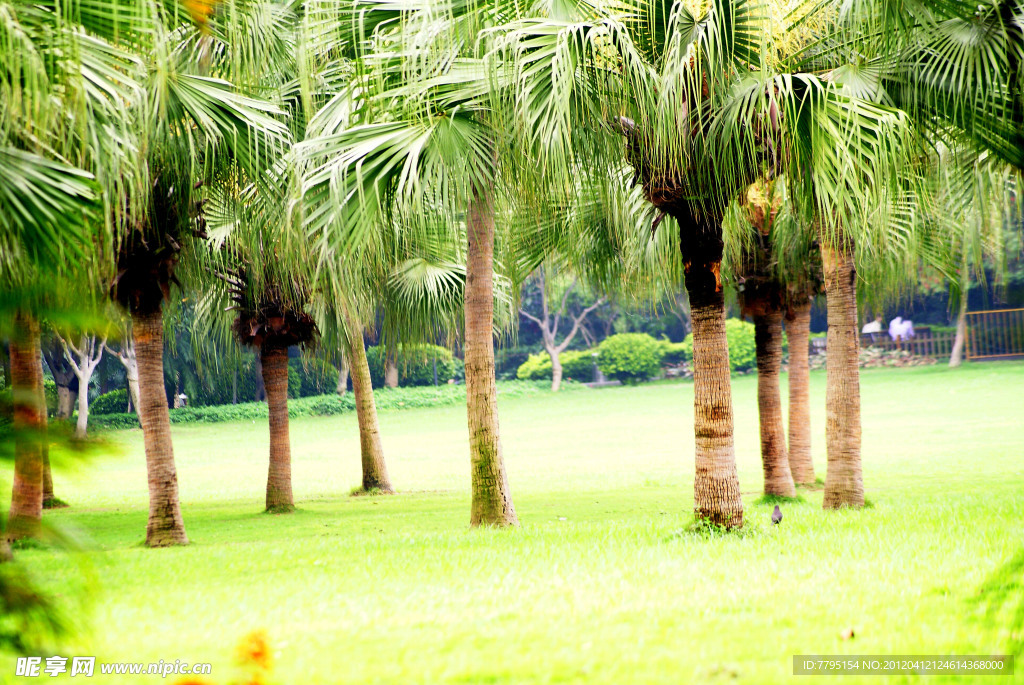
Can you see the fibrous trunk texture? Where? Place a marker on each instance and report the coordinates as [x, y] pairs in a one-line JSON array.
[[844, 485], [716, 485], [274, 362], [798, 331], [492, 498], [165, 526], [27, 387], [375, 470], [778, 480]]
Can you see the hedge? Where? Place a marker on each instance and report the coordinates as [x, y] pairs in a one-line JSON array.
[[113, 402], [630, 357], [326, 405]]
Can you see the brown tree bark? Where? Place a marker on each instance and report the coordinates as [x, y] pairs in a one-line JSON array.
[[375, 470], [716, 485], [29, 414], [778, 479], [274, 362], [844, 485], [492, 498], [798, 331], [165, 526]]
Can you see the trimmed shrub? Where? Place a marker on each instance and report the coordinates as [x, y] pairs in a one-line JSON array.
[[674, 354], [630, 357], [577, 365], [113, 402]]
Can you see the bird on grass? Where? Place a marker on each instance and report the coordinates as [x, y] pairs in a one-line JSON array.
[[776, 515]]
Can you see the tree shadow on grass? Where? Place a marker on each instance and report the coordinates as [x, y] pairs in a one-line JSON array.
[[1003, 593]]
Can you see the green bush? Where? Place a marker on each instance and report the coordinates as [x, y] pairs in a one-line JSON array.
[[415, 365], [630, 357], [674, 354], [113, 402], [577, 365], [742, 348]]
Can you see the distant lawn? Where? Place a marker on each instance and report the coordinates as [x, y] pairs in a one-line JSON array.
[[597, 586]]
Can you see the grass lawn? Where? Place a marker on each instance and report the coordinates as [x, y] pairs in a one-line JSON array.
[[599, 585]]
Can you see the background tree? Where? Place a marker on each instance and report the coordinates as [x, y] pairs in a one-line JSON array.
[[83, 358], [548, 322]]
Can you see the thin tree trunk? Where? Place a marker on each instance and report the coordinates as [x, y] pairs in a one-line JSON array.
[[556, 369], [279, 478], [343, 371], [716, 485], [492, 498], [27, 381], [778, 480], [375, 470], [261, 390], [390, 374], [844, 485], [956, 356], [165, 526], [83, 410], [798, 331], [65, 402], [234, 384]]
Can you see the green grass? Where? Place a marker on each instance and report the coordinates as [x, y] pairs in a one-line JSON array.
[[604, 582]]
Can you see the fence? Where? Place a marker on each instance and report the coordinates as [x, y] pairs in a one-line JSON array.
[[996, 333]]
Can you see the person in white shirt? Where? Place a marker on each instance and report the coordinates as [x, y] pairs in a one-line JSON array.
[[872, 328], [896, 328]]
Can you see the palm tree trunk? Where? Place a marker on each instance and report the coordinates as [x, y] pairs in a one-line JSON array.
[[274, 361], [492, 498], [165, 526], [375, 470], [716, 485], [798, 331], [27, 385], [844, 485], [778, 480]]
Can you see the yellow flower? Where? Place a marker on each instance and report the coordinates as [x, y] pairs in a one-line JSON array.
[[254, 649]]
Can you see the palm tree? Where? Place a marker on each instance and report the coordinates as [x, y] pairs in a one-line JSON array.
[[955, 68], [762, 295], [271, 322], [58, 145], [410, 142], [188, 114], [705, 108]]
